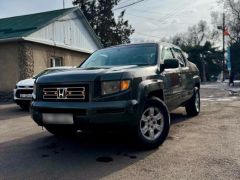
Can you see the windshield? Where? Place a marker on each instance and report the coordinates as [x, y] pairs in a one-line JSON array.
[[122, 56], [48, 71]]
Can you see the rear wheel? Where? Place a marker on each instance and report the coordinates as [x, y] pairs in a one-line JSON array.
[[154, 124], [61, 131], [193, 105]]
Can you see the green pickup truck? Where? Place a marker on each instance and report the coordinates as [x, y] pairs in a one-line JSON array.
[[132, 87]]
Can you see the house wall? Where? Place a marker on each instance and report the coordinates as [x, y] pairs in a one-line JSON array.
[[67, 31], [42, 55], [22, 60], [9, 67]]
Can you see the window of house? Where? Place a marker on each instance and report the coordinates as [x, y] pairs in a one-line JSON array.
[[56, 61]]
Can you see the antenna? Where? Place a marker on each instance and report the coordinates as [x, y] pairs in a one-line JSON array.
[[63, 4]]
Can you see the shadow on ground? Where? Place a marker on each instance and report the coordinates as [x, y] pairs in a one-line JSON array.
[[10, 111], [88, 155], [93, 156]]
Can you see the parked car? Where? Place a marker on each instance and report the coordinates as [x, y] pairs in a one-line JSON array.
[[24, 89], [133, 86]]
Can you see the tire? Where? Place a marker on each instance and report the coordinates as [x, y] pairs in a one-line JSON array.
[[153, 124], [25, 107], [193, 106], [61, 130]]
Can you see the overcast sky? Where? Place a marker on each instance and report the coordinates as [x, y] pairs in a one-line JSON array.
[[151, 19]]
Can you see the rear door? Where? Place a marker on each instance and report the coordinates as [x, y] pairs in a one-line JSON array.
[[172, 84]]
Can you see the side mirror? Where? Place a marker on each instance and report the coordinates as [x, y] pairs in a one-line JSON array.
[[171, 64]]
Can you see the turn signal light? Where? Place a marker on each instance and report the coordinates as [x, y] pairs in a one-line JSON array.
[[125, 85]]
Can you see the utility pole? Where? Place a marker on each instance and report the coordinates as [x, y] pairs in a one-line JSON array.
[[63, 4], [203, 56], [223, 32]]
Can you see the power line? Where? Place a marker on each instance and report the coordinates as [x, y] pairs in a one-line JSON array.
[[128, 5], [172, 13], [163, 18], [168, 15], [157, 20], [142, 17]]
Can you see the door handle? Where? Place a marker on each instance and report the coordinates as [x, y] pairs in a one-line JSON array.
[[180, 78]]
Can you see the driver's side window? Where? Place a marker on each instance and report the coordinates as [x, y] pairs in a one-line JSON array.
[[166, 54], [178, 54]]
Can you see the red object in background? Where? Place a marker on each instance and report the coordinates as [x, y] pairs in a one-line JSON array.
[[226, 33]]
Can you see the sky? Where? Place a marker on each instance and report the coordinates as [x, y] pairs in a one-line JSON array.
[[151, 19]]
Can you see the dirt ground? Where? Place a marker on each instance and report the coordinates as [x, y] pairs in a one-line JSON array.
[[203, 147]]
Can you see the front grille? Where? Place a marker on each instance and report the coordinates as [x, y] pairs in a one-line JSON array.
[[78, 93], [20, 92], [26, 87]]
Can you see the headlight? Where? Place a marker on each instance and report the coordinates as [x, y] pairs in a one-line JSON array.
[[34, 91], [111, 87]]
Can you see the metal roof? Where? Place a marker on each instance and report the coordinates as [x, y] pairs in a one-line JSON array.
[[19, 27]]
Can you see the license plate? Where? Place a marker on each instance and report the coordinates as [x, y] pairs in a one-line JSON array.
[[57, 118], [26, 95]]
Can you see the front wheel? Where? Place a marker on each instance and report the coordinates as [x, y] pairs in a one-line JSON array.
[[193, 105], [154, 124]]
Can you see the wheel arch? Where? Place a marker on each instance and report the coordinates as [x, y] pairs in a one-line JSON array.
[[151, 88], [197, 81]]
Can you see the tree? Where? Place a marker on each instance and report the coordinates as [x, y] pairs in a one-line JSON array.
[[100, 15], [201, 33], [196, 35], [198, 42], [232, 13], [233, 20], [179, 39]]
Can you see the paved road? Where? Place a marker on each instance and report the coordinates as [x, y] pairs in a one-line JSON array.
[[204, 147]]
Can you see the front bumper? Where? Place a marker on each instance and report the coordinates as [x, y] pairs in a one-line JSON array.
[[26, 91], [91, 113]]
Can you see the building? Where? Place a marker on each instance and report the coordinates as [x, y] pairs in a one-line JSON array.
[[31, 43]]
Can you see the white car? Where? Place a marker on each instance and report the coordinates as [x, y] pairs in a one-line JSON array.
[[24, 88]]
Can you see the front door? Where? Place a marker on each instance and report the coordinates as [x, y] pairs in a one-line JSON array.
[[172, 81]]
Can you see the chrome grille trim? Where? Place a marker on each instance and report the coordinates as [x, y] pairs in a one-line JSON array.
[[64, 93]]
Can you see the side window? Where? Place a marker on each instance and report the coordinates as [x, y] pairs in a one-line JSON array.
[[166, 53], [178, 55]]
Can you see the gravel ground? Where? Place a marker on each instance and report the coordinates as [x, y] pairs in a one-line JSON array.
[[203, 147]]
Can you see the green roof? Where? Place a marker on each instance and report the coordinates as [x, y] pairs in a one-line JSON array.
[[21, 26]]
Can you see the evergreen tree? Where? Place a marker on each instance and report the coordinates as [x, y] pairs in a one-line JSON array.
[[100, 15]]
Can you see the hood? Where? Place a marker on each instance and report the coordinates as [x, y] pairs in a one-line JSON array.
[[86, 75], [26, 82]]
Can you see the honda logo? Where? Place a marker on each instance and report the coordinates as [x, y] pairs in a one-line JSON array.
[[61, 93]]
